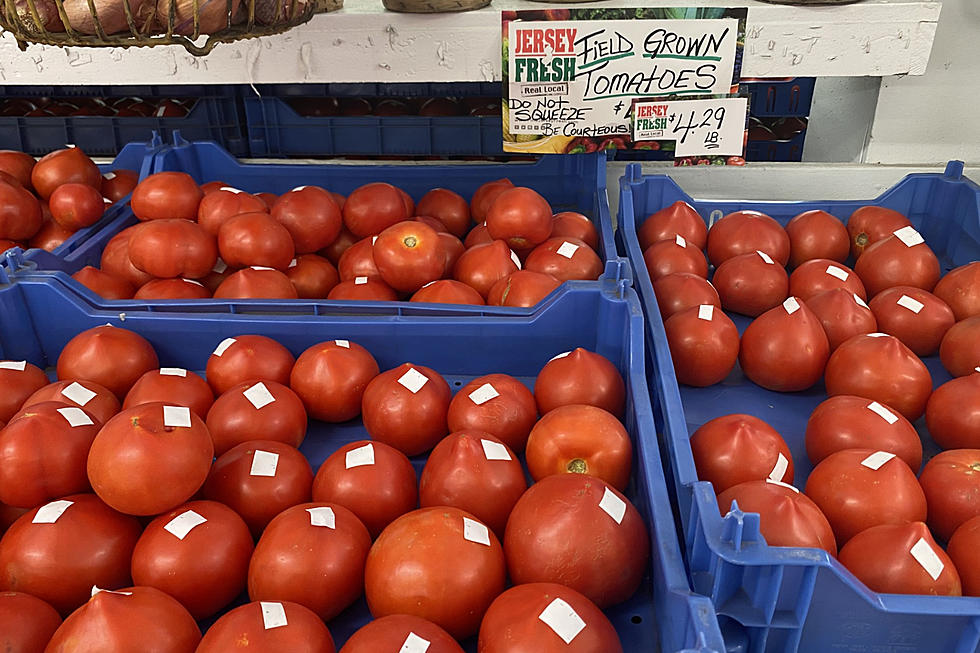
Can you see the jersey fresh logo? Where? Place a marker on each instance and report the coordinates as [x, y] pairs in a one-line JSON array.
[[651, 116], [545, 55]]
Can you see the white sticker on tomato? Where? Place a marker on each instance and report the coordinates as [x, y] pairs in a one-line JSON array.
[[360, 281], [859, 301], [494, 450], [184, 523], [342, 343], [476, 532], [679, 239], [613, 506], [568, 249], [322, 516], [706, 312], [75, 416], [517, 260], [98, 590], [563, 620], [223, 347], [109, 176], [78, 393], [259, 396], [779, 469], [374, 239], [261, 268], [909, 236], [912, 304], [882, 412], [231, 189], [18, 366], [177, 416], [877, 335], [414, 644], [791, 305], [877, 459], [219, 266], [273, 615], [194, 282], [292, 263], [160, 111], [765, 257], [483, 394], [781, 484], [49, 513], [264, 463], [106, 200], [298, 188], [835, 271], [413, 380], [70, 146], [173, 371], [927, 558], [554, 358], [360, 457]]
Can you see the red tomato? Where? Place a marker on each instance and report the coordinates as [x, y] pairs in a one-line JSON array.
[[817, 235], [751, 284], [18, 381], [50, 236], [174, 386], [26, 623], [371, 479], [224, 203], [74, 206], [262, 410], [434, 223], [447, 291], [682, 290], [358, 261], [497, 404], [843, 315], [408, 256], [475, 472], [110, 356], [915, 316], [19, 165], [879, 367], [173, 289], [869, 224], [703, 345], [198, 554], [860, 488], [330, 378], [248, 358], [43, 452], [522, 288], [901, 559], [79, 543], [962, 550], [478, 236], [372, 208], [949, 481], [311, 215], [256, 282], [891, 262], [578, 531], [565, 259], [94, 398], [744, 232], [270, 199], [959, 289], [785, 349], [104, 284], [212, 187], [452, 248], [255, 239], [570, 224], [173, 248], [485, 196], [301, 631], [672, 257], [481, 266], [953, 413], [787, 517], [532, 617], [166, 195], [520, 217], [406, 407], [817, 276], [66, 166], [118, 184], [408, 202], [579, 439], [678, 219], [258, 480], [217, 276], [580, 377], [115, 259], [737, 448], [398, 631], [130, 619], [363, 289], [448, 207], [6, 243], [960, 349], [312, 275], [20, 213], [850, 422], [8, 515], [440, 564], [334, 250]]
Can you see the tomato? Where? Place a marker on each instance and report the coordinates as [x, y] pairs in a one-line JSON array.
[[167, 195], [115, 259], [406, 407], [130, 619], [962, 550], [371, 479], [247, 358], [19, 165], [817, 276], [481, 266], [891, 262], [785, 349], [485, 196], [520, 217], [198, 554], [565, 259], [959, 289], [703, 345], [94, 398], [66, 166], [960, 349], [452, 248], [173, 289], [311, 216], [478, 236], [536, 617], [901, 559], [258, 480], [915, 316], [751, 284], [110, 356], [497, 404], [18, 381], [174, 386], [262, 410], [257, 282], [570, 224], [397, 632], [678, 219], [358, 261], [372, 208], [20, 213], [217, 275], [74, 206], [672, 257], [738, 448], [817, 235], [869, 224], [78, 542], [6, 243], [334, 250], [850, 422], [580, 377], [312, 275], [434, 223], [173, 248], [118, 184], [363, 289], [440, 564], [953, 413], [26, 623], [522, 288], [212, 187], [448, 207], [407, 202], [447, 291], [255, 239], [744, 232], [950, 481], [270, 199], [298, 630], [409, 255], [50, 236], [879, 367], [104, 284], [43, 452], [224, 203], [860, 488], [330, 378], [843, 315], [682, 290]]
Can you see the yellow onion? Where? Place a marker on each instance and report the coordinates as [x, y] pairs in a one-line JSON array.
[[111, 13], [47, 12], [273, 12], [213, 15]]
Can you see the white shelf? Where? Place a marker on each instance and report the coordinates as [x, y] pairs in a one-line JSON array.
[[364, 43]]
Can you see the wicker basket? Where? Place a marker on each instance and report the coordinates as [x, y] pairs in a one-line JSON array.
[[433, 6]]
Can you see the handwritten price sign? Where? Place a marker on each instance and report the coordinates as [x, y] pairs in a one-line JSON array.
[[713, 126]]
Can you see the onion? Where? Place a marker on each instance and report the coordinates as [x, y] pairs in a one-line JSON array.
[[213, 15], [111, 13], [273, 12], [47, 12]]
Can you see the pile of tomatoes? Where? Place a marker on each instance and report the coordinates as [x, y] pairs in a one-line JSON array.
[[862, 330], [44, 202], [377, 244], [125, 107], [139, 500]]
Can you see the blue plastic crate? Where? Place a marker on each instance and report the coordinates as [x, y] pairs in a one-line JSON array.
[[664, 614], [780, 98], [400, 90], [781, 599], [779, 150]]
